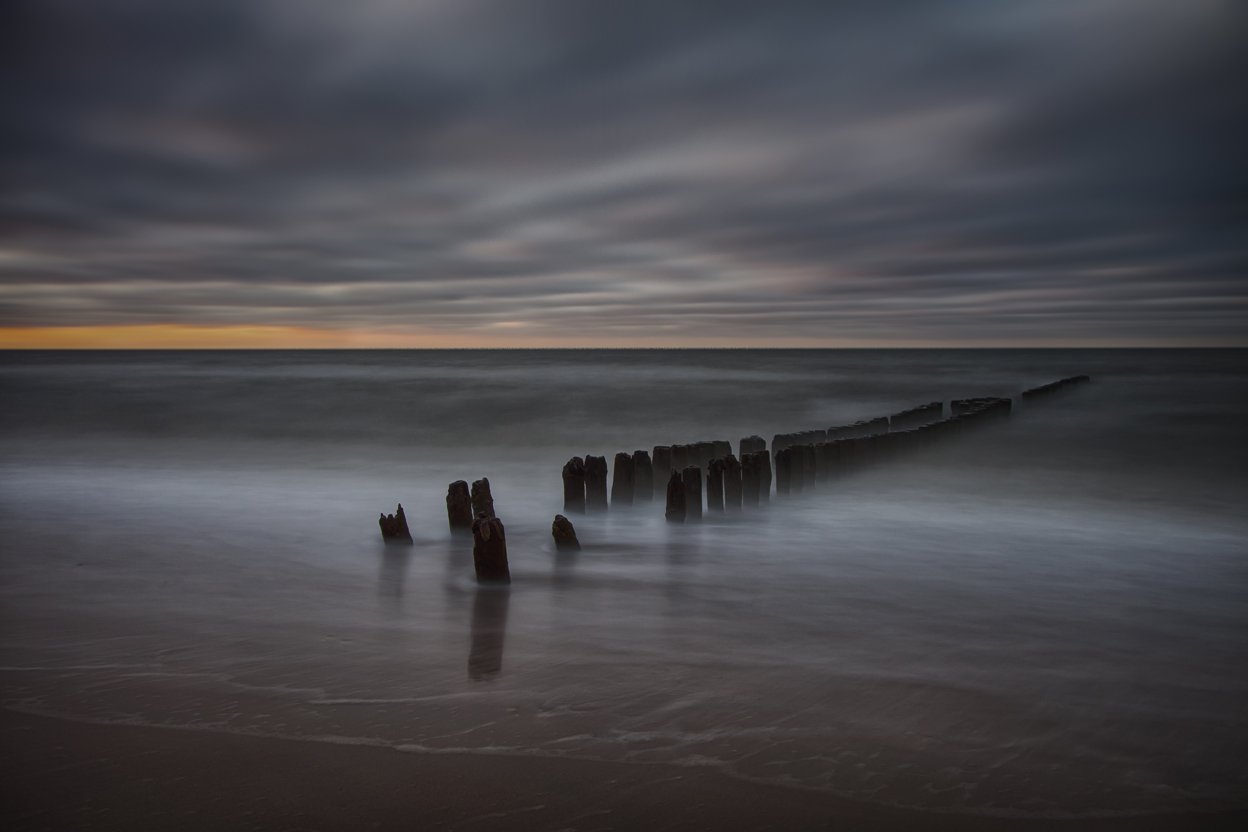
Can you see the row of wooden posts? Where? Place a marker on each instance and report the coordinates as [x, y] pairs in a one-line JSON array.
[[732, 484]]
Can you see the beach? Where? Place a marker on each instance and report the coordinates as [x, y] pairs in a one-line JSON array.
[[1039, 624]]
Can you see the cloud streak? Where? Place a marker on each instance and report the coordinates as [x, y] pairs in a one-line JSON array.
[[649, 173]]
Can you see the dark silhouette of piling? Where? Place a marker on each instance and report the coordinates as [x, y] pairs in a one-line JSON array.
[[722, 448], [715, 485], [459, 506], [675, 512], [489, 551], [662, 465], [595, 483], [482, 499], [692, 477], [784, 472], [749, 445], [751, 477], [394, 527], [704, 452], [564, 534], [622, 480], [681, 457], [574, 486], [810, 467], [643, 477], [732, 484]]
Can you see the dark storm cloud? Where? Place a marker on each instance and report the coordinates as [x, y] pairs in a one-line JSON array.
[[942, 171]]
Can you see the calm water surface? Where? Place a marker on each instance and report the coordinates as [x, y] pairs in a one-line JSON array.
[[1048, 616]]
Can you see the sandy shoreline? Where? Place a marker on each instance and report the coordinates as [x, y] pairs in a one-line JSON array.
[[67, 775]]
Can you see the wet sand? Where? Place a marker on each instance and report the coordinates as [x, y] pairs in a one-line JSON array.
[[62, 775]]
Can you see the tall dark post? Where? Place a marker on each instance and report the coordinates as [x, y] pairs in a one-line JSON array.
[[722, 448], [675, 512], [643, 477], [489, 551], [809, 467], [764, 477], [750, 475], [784, 472], [692, 477], [622, 480], [662, 465], [482, 499], [715, 485], [574, 486], [394, 527], [459, 506], [751, 444], [732, 484], [595, 483], [705, 452]]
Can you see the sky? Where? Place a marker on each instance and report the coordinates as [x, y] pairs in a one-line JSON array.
[[460, 173]]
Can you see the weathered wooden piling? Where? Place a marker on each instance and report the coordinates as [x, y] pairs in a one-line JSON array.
[[675, 512], [489, 551], [574, 486], [749, 445], [715, 485], [723, 448], [692, 477], [784, 472], [915, 416], [732, 484], [482, 499], [704, 452], [595, 483], [809, 467], [662, 465], [764, 477], [564, 534], [643, 477], [459, 506], [750, 478], [823, 461], [394, 527], [622, 480]]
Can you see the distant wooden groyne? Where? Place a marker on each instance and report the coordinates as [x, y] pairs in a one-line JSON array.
[[706, 477]]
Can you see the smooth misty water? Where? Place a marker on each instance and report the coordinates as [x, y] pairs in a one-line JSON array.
[[1046, 616]]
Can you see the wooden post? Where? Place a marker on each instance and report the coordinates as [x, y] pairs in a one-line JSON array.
[[784, 472], [662, 465], [574, 486], [732, 484], [715, 485], [564, 533], [459, 506], [692, 477], [675, 512], [643, 477], [595, 483], [482, 500], [751, 444], [489, 551], [622, 480], [394, 527]]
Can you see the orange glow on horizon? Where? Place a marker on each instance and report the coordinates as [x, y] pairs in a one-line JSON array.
[[241, 336], [182, 336]]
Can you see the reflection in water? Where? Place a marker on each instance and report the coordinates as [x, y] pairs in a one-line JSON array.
[[489, 626], [394, 563]]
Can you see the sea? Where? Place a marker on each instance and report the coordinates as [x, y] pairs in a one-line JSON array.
[[1045, 616]]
